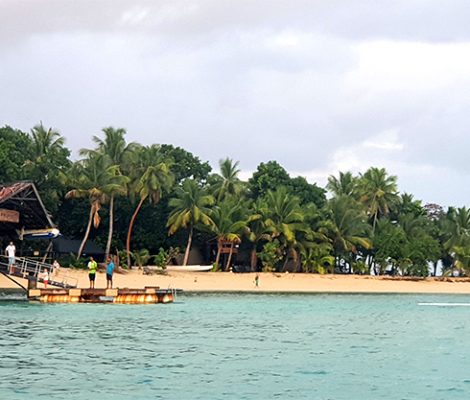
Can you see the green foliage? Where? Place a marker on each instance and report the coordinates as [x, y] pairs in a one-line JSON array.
[[190, 209], [306, 192], [141, 257], [268, 176], [122, 256], [227, 183], [317, 259], [345, 185], [160, 189], [163, 258], [378, 192], [229, 224], [48, 159], [359, 267], [73, 262], [15, 148], [185, 165], [270, 256], [346, 226]]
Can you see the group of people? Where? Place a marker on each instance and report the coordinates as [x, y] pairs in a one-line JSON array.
[[45, 275], [93, 267]]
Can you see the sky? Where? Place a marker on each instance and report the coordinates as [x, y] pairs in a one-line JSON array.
[[319, 86]]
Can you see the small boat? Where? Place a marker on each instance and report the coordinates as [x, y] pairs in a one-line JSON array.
[[189, 268], [49, 233]]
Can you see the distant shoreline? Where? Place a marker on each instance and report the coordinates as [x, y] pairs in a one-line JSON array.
[[226, 282]]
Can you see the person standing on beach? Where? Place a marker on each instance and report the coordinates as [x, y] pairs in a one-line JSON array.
[[257, 280], [10, 252], [109, 273], [92, 267]]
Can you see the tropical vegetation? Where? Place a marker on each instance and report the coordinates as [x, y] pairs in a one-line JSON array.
[[143, 202]]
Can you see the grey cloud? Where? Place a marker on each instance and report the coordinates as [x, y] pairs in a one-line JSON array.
[[253, 80], [363, 19]]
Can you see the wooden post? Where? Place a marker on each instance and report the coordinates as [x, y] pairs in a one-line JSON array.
[[32, 281]]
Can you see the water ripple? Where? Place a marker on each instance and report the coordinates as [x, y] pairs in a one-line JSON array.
[[229, 346]]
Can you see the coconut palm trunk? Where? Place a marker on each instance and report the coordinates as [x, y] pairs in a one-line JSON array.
[[289, 253], [111, 226], [229, 260], [219, 250], [253, 258], [129, 232], [87, 233], [374, 223], [188, 246]]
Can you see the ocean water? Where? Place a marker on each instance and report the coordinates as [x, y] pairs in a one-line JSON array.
[[239, 346]]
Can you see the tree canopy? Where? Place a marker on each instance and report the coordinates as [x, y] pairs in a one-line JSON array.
[[159, 197]]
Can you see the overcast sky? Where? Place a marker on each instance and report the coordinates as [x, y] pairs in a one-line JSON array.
[[319, 86]]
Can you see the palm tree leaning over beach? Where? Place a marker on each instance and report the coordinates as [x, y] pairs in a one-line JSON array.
[[93, 178], [190, 207], [119, 152], [150, 177]]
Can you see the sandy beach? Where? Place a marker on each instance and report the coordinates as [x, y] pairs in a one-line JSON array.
[[268, 282]]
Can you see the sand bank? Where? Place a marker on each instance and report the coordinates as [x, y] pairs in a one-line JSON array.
[[269, 282]]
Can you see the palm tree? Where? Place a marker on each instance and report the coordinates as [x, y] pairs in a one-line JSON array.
[[95, 179], [190, 207], [119, 152], [346, 227], [228, 183], [229, 225], [47, 159], [152, 177], [257, 229], [344, 185], [456, 234], [285, 220], [378, 193], [457, 227]]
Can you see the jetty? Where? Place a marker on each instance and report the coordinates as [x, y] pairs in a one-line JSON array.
[[64, 288], [148, 295]]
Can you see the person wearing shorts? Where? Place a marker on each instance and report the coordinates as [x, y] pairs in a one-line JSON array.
[[10, 251], [109, 273], [92, 267], [45, 277]]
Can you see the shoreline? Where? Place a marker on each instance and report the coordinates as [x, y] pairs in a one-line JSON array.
[[283, 283]]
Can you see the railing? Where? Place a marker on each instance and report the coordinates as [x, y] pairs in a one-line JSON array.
[[25, 268]]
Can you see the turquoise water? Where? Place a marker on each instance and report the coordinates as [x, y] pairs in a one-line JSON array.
[[238, 347]]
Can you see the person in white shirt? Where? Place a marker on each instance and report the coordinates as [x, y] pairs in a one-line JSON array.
[[10, 252], [45, 277], [55, 267]]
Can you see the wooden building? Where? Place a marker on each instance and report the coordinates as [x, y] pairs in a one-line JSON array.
[[21, 208]]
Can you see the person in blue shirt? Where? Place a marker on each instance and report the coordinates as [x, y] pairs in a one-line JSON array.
[[109, 273]]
